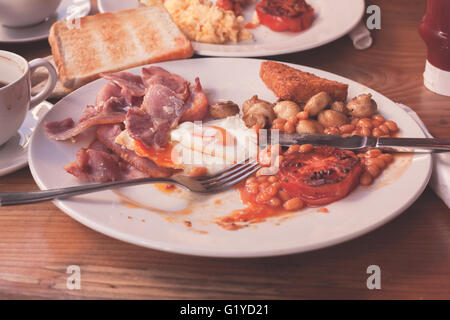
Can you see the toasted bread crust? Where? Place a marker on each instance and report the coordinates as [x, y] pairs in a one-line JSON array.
[[291, 84], [115, 41]]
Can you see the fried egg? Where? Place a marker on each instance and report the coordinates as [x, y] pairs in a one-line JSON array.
[[213, 145]]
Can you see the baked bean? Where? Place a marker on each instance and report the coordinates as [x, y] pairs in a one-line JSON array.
[[303, 115], [262, 179], [293, 204], [263, 186], [346, 128], [272, 190], [376, 161], [376, 123], [252, 188], [378, 117], [263, 197], [365, 179], [383, 128], [274, 202], [373, 170], [373, 153], [289, 127], [305, 148], [293, 120], [355, 121], [387, 157], [278, 124], [365, 123], [392, 126], [251, 180], [284, 195], [365, 131], [292, 149], [332, 130], [198, 172], [377, 133]]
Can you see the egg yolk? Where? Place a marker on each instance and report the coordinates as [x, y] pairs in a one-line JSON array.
[[162, 157]]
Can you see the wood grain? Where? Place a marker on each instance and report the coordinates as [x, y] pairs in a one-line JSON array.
[[38, 242]]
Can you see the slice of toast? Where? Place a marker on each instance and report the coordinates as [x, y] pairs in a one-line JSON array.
[[291, 84], [115, 41]]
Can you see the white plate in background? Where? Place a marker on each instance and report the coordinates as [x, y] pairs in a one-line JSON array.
[[333, 19]]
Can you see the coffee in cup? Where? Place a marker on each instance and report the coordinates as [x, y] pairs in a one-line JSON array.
[[15, 90]]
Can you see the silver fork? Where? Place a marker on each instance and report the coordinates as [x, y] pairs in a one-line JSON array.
[[218, 182]]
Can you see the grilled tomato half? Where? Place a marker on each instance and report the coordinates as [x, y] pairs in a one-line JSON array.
[[285, 15], [322, 176]]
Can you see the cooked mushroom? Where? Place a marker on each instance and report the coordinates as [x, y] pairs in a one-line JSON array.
[[309, 126], [332, 118], [338, 106], [258, 112], [362, 106], [223, 109], [286, 109], [317, 103]]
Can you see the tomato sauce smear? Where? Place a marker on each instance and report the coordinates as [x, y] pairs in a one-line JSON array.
[[254, 212]]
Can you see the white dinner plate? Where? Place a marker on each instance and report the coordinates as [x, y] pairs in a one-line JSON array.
[[14, 153], [236, 79], [333, 19], [67, 9]]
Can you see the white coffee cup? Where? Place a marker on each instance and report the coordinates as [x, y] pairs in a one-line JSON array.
[[20, 13], [15, 91]]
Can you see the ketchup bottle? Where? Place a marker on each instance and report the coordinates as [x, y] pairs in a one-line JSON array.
[[434, 28]]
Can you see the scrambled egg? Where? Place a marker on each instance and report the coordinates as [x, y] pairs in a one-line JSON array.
[[203, 21]]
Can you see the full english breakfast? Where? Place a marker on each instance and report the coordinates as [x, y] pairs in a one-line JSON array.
[[155, 124]]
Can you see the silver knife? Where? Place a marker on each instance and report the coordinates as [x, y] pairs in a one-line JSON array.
[[426, 145]]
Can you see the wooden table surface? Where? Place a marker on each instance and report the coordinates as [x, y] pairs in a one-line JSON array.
[[38, 242]]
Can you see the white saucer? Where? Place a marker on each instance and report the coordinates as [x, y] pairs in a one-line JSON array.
[[13, 154], [68, 9]]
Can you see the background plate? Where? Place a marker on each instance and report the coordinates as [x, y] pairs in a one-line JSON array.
[[333, 20]]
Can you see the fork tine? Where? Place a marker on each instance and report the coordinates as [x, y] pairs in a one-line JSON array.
[[233, 176], [227, 170], [234, 182], [228, 173]]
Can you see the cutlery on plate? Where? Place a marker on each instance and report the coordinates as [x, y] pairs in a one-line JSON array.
[[217, 182], [426, 145]]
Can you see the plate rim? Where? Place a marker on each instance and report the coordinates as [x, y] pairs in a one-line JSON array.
[[267, 53], [175, 248]]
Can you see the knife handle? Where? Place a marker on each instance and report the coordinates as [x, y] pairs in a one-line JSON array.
[[415, 144]]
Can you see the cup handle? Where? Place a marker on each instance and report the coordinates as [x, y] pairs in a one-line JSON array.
[[51, 81]]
